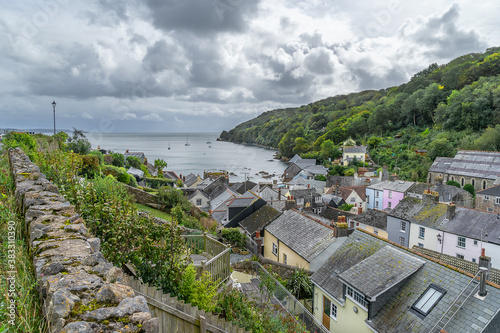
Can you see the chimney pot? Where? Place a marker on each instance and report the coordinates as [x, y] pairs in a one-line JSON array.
[[257, 234]]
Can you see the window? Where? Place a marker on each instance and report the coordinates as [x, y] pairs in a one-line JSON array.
[[319, 210], [403, 226], [460, 256], [484, 184], [357, 297], [474, 260], [497, 201], [353, 199], [421, 232], [489, 209], [198, 202], [375, 232], [475, 241], [285, 259], [333, 312], [368, 199], [300, 201], [486, 198], [453, 178], [389, 204], [461, 242], [275, 249], [462, 181], [473, 182], [376, 203], [390, 194], [402, 241], [318, 199], [428, 300], [420, 245]]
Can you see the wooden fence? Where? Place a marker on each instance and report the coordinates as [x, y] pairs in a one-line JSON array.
[[219, 265], [175, 316]]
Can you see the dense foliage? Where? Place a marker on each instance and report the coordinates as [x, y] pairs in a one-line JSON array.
[[441, 109]]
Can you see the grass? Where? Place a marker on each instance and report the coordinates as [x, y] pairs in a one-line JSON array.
[[154, 212], [22, 293]]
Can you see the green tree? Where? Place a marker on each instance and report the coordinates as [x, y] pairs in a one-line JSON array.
[[453, 183], [300, 284], [134, 162], [328, 149], [118, 160], [469, 188], [78, 143], [440, 148], [160, 164], [301, 146], [171, 197]]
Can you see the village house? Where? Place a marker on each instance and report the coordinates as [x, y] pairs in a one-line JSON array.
[[352, 195], [370, 285], [447, 194], [138, 154], [373, 221], [238, 208], [333, 214], [200, 200], [387, 194], [478, 168], [333, 201], [301, 181], [489, 199], [296, 165], [353, 153], [191, 180], [307, 199], [299, 240]]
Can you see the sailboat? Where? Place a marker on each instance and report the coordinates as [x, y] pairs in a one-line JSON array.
[[169, 146], [187, 141]]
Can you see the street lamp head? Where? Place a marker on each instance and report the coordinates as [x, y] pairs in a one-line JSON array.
[[54, 103]]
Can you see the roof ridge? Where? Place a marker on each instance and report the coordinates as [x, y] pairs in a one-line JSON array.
[[315, 220], [456, 269], [488, 188]]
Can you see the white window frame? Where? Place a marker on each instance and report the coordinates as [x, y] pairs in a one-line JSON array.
[[402, 241], [461, 240], [402, 226], [376, 194], [390, 195], [420, 245], [428, 300], [199, 202], [460, 256], [285, 258], [275, 249], [475, 242], [353, 199], [497, 201], [357, 297], [421, 233], [333, 311], [300, 201], [389, 204]]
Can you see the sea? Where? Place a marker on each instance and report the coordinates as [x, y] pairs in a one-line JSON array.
[[187, 153]]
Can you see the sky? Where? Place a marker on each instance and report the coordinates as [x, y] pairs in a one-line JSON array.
[[208, 65]]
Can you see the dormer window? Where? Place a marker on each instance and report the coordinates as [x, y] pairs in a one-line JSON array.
[[357, 297], [428, 300]]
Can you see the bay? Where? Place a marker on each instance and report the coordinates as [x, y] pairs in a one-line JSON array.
[[198, 156]]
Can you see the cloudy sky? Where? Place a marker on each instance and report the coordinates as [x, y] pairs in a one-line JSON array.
[[207, 65]]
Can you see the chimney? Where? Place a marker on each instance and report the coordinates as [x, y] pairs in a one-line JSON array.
[[450, 210], [290, 203], [360, 210], [430, 197], [279, 194], [127, 151], [146, 161], [258, 241], [484, 266], [308, 185]]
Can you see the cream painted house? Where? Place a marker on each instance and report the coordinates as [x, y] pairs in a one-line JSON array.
[[353, 152], [370, 285], [297, 239]]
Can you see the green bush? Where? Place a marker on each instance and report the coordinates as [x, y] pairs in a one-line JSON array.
[[453, 183], [320, 177], [157, 183], [99, 155], [234, 236], [118, 160], [78, 143], [132, 182], [170, 198], [133, 161], [90, 166], [119, 173], [469, 188]]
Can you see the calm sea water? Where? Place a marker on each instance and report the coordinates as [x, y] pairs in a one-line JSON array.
[[241, 160]]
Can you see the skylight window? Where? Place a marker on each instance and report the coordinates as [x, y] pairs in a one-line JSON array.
[[428, 300]]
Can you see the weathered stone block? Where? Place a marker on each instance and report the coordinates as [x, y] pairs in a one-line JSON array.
[[114, 293]]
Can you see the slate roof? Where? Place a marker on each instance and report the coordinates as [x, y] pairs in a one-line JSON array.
[[135, 172], [339, 180], [345, 192], [480, 164], [373, 217], [295, 159], [469, 223], [493, 191], [302, 163], [395, 315], [330, 197], [190, 180], [268, 194], [449, 193], [419, 188], [306, 193], [395, 186], [381, 271], [303, 235], [225, 194], [354, 150], [419, 212], [241, 188], [333, 214], [316, 169], [170, 175], [139, 155], [259, 219], [245, 200], [195, 193]]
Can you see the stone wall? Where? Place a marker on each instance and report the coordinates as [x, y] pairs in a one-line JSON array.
[[142, 197], [79, 289]]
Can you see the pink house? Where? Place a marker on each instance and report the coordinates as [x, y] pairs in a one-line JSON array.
[[394, 192]]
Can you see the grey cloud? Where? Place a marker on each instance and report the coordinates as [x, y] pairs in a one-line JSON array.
[[201, 16], [319, 61]]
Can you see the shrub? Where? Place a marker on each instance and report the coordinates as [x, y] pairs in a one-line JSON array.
[[300, 284], [134, 162], [234, 236], [346, 207], [90, 166], [118, 160], [170, 198], [469, 188], [99, 155], [133, 182], [157, 183], [320, 177], [119, 173], [108, 159], [453, 183], [78, 143]]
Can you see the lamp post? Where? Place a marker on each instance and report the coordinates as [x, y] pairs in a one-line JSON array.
[[54, 107]]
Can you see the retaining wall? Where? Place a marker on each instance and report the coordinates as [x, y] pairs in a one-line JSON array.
[[79, 289]]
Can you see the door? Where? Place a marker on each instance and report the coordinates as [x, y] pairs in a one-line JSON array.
[[327, 305]]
